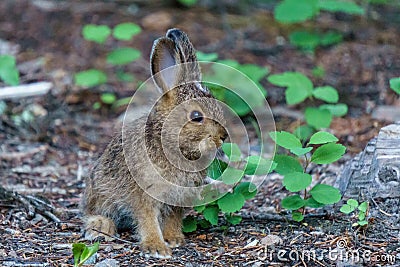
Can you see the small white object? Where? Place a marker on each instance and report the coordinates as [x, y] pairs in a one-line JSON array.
[[201, 88], [24, 90]]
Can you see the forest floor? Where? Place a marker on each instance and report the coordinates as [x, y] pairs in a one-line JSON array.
[[45, 160]]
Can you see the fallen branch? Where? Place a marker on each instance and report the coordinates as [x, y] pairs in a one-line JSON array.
[[32, 89], [31, 204], [23, 154]]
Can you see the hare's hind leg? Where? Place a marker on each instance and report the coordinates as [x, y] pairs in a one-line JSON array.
[[97, 226], [172, 231], [148, 227]]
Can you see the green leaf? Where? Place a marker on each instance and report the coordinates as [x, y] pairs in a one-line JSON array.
[[347, 209], [303, 132], [291, 79], [293, 202], [353, 203], [90, 78], [108, 98], [122, 102], [318, 72], [211, 214], [233, 219], [77, 249], [328, 153], [318, 118], [96, 105], [395, 84], [208, 194], [188, 3], [8, 70], [189, 224], [362, 223], [239, 92], [304, 40], [299, 86], [203, 223], [337, 110], [232, 150], [88, 252], [257, 165], [287, 164], [199, 208], [363, 206], [216, 169], [247, 189], [292, 11], [231, 175], [96, 33], [239, 106], [125, 31], [331, 38], [10, 76], [285, 139], [299, 151], [231, 202], [326, 93], [125, 77], [206, 56], [7, 61], [312, 203], [322, 138], [297, 216], [296, 181], [255, 72], [229, 62], [341, 6], [325, 194], [123, 55]]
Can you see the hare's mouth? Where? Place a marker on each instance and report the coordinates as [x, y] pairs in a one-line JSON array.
[[204, 148]]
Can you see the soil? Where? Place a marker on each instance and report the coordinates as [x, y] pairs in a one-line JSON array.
[[43, 162]]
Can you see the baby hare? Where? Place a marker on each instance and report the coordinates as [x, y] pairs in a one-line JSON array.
[[140, 180]]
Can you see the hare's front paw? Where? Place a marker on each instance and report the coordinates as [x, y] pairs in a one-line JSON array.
[[156, 249], [175, 239], [99, 226]]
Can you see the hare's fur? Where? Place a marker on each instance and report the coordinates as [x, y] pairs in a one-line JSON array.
[[113, 199]]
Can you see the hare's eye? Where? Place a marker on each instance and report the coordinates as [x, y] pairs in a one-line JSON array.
[[196, 116]]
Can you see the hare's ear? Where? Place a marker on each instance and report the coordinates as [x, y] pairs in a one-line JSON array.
[[187, 54], [165, 60]]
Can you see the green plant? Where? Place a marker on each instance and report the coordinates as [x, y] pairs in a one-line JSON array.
[[110, 99], [82, 252], [318, 72], [188, 3], [395, 85], [234, 200], [293, 11], [228, 86], [321, 149], [352, 205], [308, 41], [8, 70], [298, 88], [117, 58]]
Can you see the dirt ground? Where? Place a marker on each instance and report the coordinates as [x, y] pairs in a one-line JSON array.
[[46, 160]]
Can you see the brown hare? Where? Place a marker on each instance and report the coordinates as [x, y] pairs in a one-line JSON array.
[[123, 193]]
